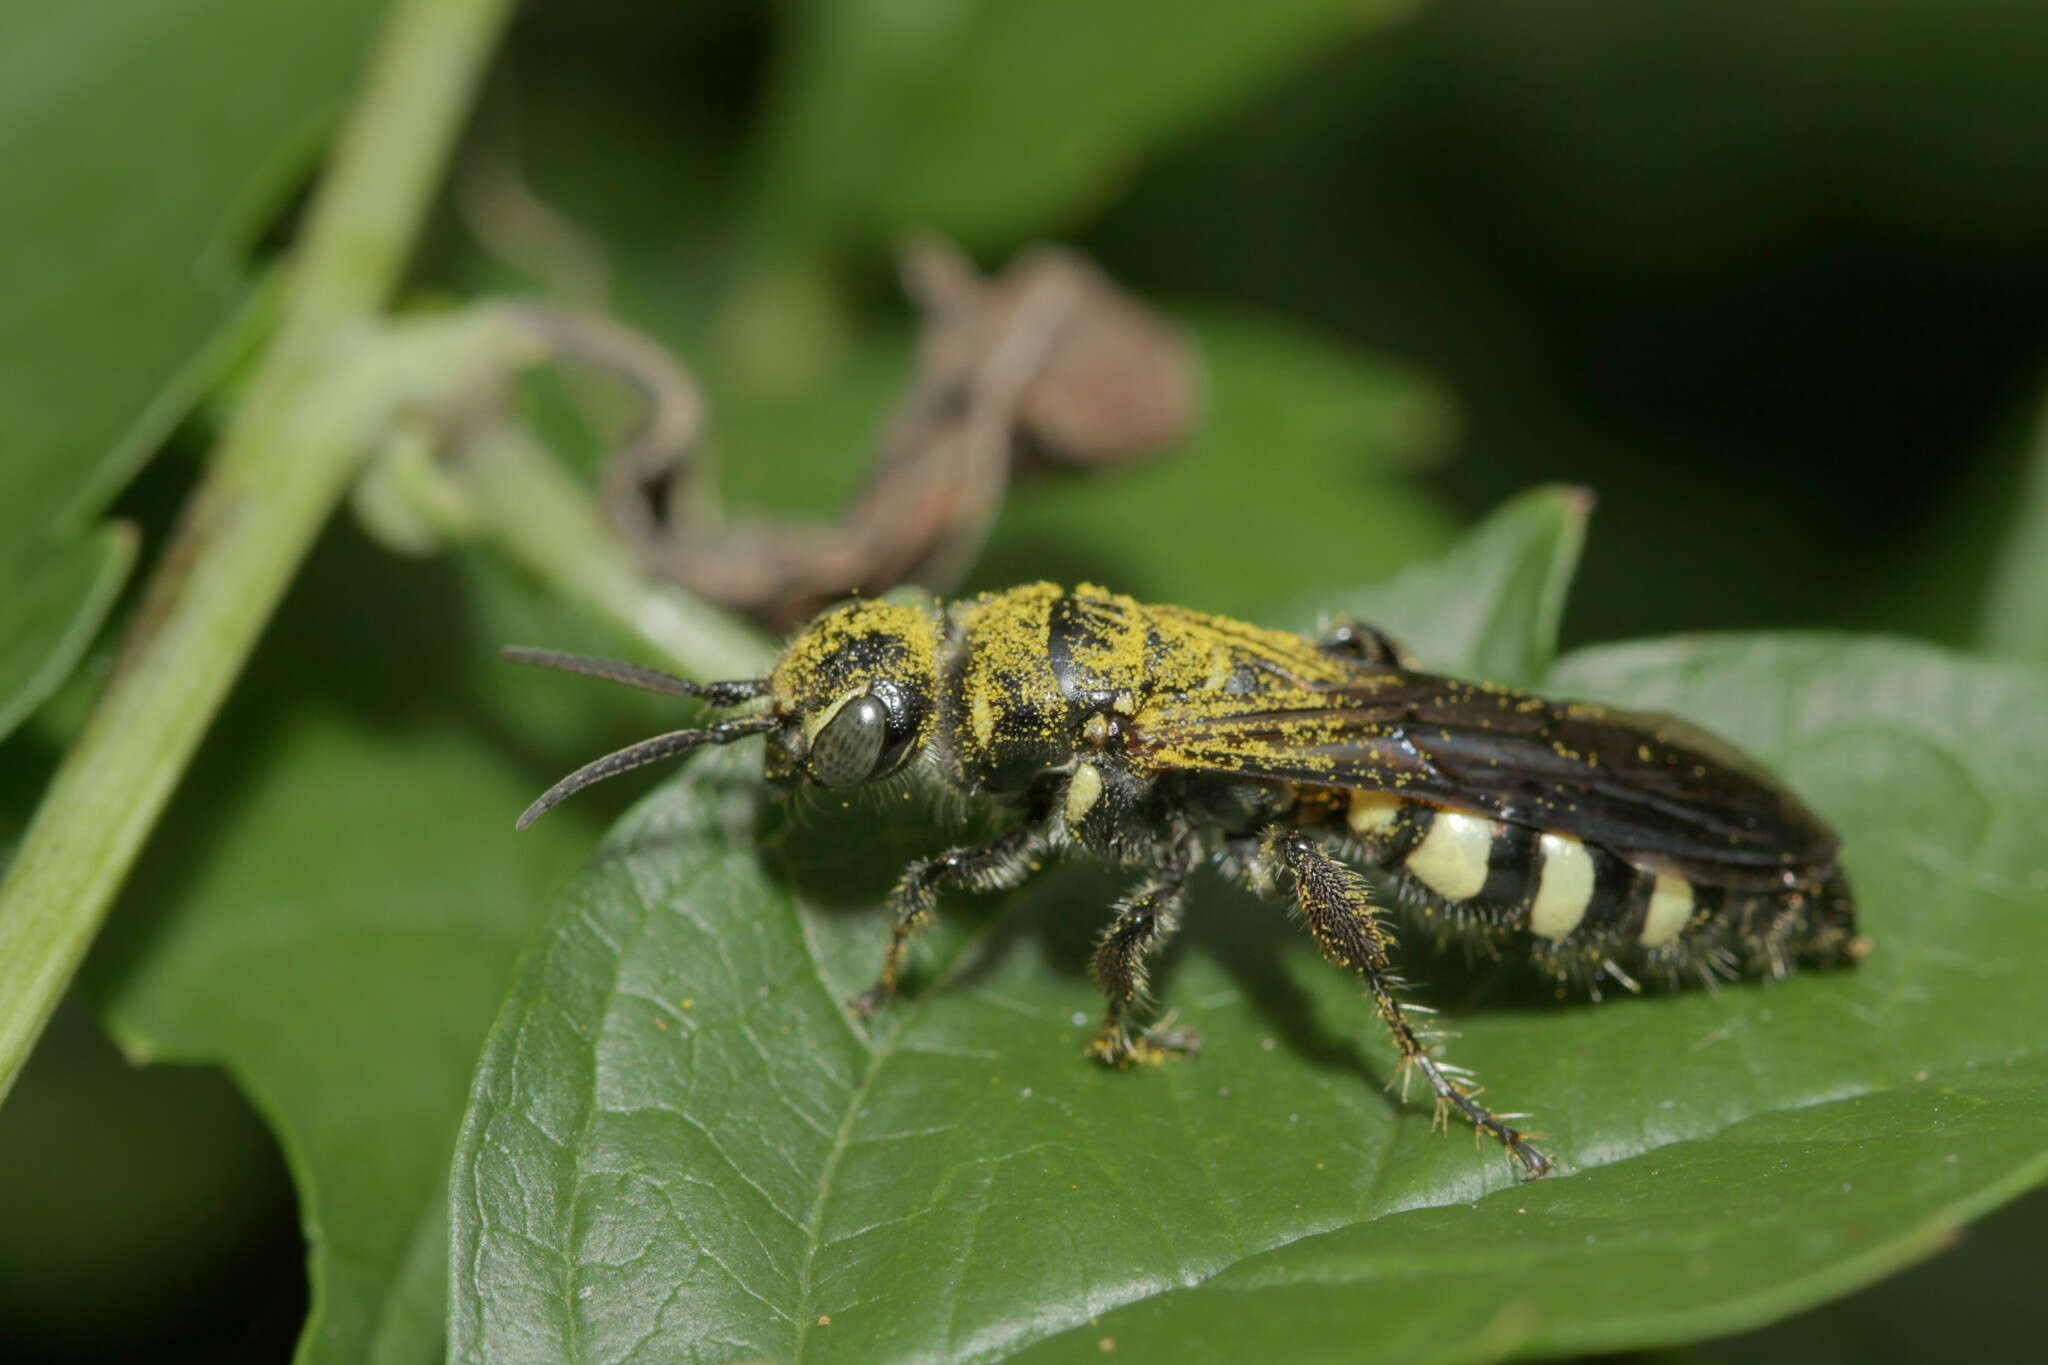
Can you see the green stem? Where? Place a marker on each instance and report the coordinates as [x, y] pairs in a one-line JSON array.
[[545, 520], [271, 483]]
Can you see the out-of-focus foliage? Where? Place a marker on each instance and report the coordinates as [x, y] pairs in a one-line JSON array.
[[884, 114], [145, 147], [1770, 281], [2015, 620]]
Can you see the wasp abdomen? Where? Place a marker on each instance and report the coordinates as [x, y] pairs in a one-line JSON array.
[[1587, 909], [1489, 876]]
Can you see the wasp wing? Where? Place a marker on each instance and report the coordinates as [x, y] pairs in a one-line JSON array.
[[1636, 783]]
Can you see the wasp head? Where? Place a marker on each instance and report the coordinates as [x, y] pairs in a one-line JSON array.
[[853, 700], [855, 694]]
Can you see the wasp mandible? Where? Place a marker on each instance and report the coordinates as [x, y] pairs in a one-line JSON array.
[[1600, 844]]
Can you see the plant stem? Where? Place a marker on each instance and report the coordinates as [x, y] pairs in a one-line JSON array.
[[543, 519], [270, 484]]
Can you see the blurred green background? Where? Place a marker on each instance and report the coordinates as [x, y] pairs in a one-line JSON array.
[[1771, 278]]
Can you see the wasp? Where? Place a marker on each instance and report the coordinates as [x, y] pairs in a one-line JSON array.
[[1598, 844]]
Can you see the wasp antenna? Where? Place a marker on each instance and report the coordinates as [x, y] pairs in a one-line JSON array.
[[646, 751], [633, 675]]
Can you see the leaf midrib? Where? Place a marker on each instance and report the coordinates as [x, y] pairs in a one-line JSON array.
[[879, 1054]]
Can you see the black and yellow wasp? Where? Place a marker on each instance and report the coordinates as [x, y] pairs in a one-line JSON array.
[[1600, 844]]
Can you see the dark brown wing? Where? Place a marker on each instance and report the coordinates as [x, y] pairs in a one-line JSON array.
[[1639, 783]]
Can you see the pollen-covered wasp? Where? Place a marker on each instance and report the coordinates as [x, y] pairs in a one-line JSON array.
[[1599, 843]]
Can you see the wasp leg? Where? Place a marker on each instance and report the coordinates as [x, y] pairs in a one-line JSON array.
[[1333, 899], [1144, 921], [1002, 862]]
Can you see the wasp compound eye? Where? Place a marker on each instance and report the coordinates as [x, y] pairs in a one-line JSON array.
[[847, 747]]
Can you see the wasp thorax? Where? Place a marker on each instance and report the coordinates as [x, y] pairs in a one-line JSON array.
[[856, 689]]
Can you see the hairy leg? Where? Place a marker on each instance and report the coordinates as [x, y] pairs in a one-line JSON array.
[[1000, 863], [1349, 929], [1145, 919]]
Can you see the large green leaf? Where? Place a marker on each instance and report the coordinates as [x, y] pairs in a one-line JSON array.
[[680, 1148], [358, 999], [334, 905], [996, 120]]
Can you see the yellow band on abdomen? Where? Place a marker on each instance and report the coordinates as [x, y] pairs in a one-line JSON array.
[[1670, 908], [1451, 859], [1564, 891]]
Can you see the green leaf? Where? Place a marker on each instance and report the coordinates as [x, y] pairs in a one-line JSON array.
[[146, 145], [994, 121], [152, 141], [349, 1007], [679, 1147], [991, 122], [1490, 608], [50, 613], [332, 909]]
